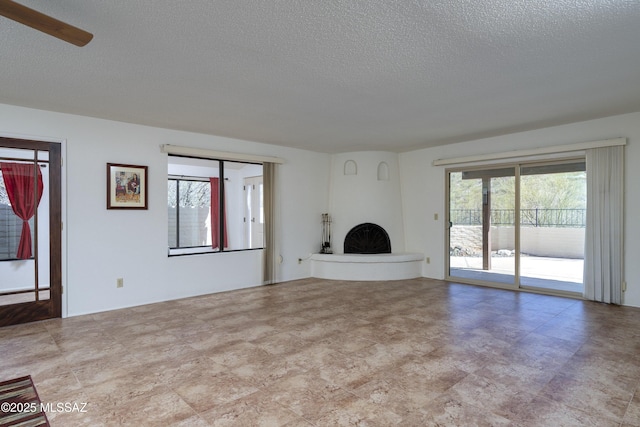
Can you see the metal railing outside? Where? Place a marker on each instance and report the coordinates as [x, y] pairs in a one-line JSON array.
[[528, 217]]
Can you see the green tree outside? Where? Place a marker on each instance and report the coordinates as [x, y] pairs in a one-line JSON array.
[[565, 190]]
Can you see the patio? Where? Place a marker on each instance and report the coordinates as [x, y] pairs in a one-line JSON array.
[[560, 274]]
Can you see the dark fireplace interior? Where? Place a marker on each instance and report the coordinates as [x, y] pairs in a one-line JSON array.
[[367, 238]]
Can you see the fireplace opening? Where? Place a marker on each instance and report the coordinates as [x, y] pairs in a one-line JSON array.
[[367, 238]]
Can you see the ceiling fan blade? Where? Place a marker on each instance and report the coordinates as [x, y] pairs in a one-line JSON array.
[[44, 23]]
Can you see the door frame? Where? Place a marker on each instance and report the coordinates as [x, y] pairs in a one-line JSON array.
[[54, 307], [257, 187], [517, 285]]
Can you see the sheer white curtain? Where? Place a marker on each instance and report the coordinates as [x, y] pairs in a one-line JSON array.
[[269, 252], [603, 263]]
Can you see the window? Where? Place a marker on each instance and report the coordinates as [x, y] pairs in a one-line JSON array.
[[10, 226], [189, 209], [200, 220]]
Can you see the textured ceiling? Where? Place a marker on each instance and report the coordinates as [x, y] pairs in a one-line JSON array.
[[332, 76]]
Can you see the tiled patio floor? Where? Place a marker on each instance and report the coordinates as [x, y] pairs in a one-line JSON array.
[[562, 274]]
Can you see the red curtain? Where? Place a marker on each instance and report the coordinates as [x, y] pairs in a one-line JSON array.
[[19, 182], [215, 215]]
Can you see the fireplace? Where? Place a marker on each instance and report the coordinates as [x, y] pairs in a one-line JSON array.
[[367, 256], [367, 238]]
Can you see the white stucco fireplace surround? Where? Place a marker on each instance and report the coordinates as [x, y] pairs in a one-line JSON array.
[[396, 266], [365, 188]]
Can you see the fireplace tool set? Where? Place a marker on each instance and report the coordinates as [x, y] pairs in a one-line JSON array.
[[326, 234]]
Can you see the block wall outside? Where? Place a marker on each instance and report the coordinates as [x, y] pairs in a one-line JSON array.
[[195, 229], [554, 242]]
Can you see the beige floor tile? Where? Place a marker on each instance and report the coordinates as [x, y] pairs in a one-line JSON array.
[[203, 393], [163, 408], [517, 376], [491, 396], [306, 394], [239, 353], [632, 415], [446, 410], [280, 344], [40, 369], [589, 395], [122, 388], [265, 371], [73, 408], [322, 352], [178, 371], [403, 395], [54, 389], [545, 412], [354, 411], [256, 409], [17, 331]]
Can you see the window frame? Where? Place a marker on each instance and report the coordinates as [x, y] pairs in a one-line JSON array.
[[177, 180], [205, 249]]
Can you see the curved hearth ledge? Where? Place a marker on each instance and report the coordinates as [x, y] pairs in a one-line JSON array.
[[397, 266]]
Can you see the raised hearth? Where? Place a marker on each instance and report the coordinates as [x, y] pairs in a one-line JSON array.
[[386, 266]]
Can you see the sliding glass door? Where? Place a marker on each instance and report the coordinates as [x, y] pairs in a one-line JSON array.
[[518, 225], [481, 215], [553, 218]]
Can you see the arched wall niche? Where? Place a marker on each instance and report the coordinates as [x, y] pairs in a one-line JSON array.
[[350, 167], [370, 195], [383, 171]]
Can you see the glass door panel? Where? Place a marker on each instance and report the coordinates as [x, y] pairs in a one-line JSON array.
[[553, 214], [23, 248], [482, 225]]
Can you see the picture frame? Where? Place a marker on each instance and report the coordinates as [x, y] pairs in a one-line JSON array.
[[127, 186]]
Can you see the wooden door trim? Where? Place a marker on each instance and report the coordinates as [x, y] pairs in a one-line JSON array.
[[40, 310]]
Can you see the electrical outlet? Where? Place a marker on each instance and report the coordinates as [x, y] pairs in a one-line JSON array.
[[119, 282], [435, 216], [428, 260], [299, 260], [624, 286]]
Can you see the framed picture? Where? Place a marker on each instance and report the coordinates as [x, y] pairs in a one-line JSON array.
[[126, 186]]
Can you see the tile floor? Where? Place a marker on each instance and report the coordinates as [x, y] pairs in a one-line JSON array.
[[328, 353]]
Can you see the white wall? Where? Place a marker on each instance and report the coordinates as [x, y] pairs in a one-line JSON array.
[[360, 198], [102, 245], [423, 186]]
